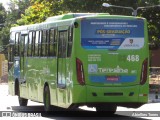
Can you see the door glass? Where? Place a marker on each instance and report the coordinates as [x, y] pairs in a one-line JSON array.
[[62, 44], [62, 53]]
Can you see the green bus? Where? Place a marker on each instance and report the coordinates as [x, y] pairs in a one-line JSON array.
[[93, 59]]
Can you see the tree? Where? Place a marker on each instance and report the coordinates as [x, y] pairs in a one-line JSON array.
[[16, 9], [2, 14], [39, 11], [2, 24], [96, 6], [36, 11], [9, 18], [153, 17]]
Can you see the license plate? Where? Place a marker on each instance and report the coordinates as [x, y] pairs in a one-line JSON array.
[[112, 78]]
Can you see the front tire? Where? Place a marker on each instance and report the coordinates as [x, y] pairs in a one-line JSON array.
[[46, 99]]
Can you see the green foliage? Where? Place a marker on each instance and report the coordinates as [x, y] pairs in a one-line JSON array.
[[9, 18], [40, 10], [3, 33], [35, 14], [153, 17], [4, 36], [16, 8], [2, 14]]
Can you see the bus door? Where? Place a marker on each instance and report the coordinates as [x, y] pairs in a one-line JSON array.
[[62, 48], [23, 54]]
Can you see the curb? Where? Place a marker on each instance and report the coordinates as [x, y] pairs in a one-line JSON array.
[[156, 100]]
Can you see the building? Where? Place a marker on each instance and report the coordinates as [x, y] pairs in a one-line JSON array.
[[154, 77], [155, 58], [3, 69]]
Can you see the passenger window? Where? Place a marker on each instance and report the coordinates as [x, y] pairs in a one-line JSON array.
[[52, 43], [70, 40], [43, 44], [36, 43], [33, 43], [47, 43], [17, 39], [30, 44]]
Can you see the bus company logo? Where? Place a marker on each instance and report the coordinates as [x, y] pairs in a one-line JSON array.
[[131, 44], [92, 68], [117, 69]]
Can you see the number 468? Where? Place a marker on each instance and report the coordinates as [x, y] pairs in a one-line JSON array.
[[133, 58]]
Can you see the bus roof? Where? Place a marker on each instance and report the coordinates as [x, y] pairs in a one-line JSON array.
[[65, 17], [72, 15]]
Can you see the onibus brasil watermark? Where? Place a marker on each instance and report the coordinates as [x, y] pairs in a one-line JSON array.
[[146, 114], [20, 114]]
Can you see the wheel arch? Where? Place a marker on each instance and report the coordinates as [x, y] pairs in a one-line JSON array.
[[45, 84], [46, 97]]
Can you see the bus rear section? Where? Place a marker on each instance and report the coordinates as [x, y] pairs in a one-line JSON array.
[[111, 63]]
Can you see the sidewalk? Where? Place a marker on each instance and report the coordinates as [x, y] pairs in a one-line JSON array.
[[152, 98], [3, 89]]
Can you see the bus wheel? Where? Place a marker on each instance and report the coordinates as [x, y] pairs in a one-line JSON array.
[[110, 109], [46, 99], [22, 101]]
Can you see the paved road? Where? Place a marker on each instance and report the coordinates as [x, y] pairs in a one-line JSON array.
[[10, 104]]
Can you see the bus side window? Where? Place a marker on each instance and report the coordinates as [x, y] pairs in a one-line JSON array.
[[37, 43], [47, 43], [17, 38], [33, 43], [30, 44], [43, 44], [22, 45], [52, 43], [40, 44], [70, 40]]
